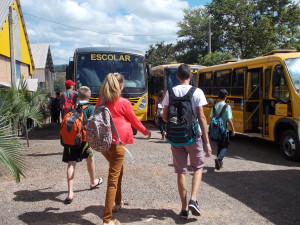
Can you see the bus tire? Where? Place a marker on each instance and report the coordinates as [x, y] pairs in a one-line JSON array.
[[290, 146], [134, 131], [156, 121]]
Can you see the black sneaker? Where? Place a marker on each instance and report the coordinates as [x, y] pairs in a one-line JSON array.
[[184, 214], [193, 206], [217, 164]]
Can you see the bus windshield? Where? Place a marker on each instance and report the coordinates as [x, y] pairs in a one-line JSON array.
[[92, 68], [172, 80], [293, 65]]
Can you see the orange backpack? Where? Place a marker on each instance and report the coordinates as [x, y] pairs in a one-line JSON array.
[[72, 129]]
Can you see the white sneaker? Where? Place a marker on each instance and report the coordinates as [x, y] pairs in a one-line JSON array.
[[113, 222]]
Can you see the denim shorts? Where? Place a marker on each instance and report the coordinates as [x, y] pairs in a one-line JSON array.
[[195, 153]]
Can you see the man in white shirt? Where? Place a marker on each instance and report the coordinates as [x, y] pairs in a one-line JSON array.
[[195, 150]]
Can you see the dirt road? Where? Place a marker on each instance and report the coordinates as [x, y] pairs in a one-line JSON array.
[[256, 186]]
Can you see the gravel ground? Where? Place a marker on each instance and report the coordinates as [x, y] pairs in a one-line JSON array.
[[256, 186]]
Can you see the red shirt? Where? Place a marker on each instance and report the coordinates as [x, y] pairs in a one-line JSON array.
[[124, 117]]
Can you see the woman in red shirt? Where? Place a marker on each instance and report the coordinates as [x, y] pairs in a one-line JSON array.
[[123, 117]]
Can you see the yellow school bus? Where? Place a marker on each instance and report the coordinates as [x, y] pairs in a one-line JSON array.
[[90, 66], [163, 77], [264, 94]]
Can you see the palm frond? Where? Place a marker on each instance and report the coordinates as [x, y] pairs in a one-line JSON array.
[[12, 154]]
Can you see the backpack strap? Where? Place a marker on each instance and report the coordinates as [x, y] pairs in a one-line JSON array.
[[190, 93], [72, 95], [171, 94], [113, 126], [214, 111], [223, 110], [64, 96]]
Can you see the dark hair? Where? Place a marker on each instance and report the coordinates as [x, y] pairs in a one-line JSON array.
[[222, 94], [57, 93], [161, 94], [184, 71]]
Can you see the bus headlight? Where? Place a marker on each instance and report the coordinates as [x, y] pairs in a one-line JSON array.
[[143, 103]]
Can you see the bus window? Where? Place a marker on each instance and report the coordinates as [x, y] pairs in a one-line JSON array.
[[267, 82], [205, 83], [237, 88], [222, 80], [172, 80], [293, 66], [280, 87]]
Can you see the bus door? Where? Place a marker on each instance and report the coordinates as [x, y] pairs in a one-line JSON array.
[[253, 107], [268, 107], [156, 84]]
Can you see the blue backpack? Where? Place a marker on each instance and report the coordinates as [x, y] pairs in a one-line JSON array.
[[217, 131]]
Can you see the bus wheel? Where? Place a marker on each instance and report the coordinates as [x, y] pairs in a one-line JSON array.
[[156, 121], [290, 146], [134, 131]]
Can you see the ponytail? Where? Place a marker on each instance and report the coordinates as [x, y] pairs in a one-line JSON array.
[[110, 90]]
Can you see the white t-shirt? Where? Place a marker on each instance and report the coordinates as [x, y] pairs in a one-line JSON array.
[[198, 98]]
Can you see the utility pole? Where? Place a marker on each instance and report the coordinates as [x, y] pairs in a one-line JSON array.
[[209, 36], [12, 48]]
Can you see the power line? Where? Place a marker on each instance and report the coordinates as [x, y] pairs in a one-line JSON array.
[[98, 32]]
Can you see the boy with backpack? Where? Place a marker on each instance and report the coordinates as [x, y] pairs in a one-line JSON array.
[[222, 111], [73, 138], [68, 98], [159, 108], [183, 114]]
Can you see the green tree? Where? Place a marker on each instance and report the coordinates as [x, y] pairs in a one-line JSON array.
[[60, 68], [59, 84], [160, 54], [214, 58], [193, 34], [250, 28]]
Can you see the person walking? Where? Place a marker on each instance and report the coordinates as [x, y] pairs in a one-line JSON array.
[[74, 155], [68, 98], [159, 107], [55, 108], [123, 117], [227, 119], [195, 151]]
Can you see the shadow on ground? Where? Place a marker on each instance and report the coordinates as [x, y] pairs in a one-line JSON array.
[[254, 149], [40, 195], [50, 216], [272, 194], [47, 132]]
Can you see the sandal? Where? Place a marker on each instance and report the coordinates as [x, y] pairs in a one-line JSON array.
[[68, 201], [100, 181], [116, 208]]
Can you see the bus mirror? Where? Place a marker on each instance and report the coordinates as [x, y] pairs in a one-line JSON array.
[[70, 71], [149, 70]]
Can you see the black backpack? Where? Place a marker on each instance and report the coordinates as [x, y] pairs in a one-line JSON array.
[[182, 127]]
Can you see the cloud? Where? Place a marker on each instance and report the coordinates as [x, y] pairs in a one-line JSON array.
[[114, 21]]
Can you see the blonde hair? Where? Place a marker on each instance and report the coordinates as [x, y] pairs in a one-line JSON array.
[[110, 90], [84, 92]]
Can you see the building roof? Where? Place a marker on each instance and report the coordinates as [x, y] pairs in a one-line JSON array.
[[4, 9], [42, 56]]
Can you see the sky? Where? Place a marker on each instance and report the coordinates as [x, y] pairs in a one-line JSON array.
[[69, 24]]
